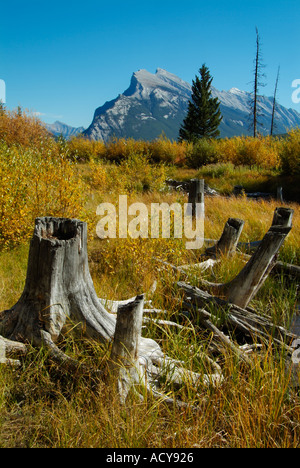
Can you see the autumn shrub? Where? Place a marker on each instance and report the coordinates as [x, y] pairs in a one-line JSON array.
[[82, 149], [36, 182], [167, 151], [133, 174], [290, 153], [228, 148], [19, 128], [119, 149], [201, 153], [262, 152]]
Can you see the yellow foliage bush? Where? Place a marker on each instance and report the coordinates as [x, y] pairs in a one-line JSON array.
[[134, 174], [19, 128], [119, 149], [35, 183], [290, 154], [164, 150], [82, 150], [262, 152]]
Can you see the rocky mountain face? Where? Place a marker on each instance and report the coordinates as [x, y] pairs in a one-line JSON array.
[[60, 128], [157, 103]]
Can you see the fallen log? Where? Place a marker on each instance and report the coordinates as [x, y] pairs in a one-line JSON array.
[[225, 341], [235, 318], [287, 269], [185, 186]]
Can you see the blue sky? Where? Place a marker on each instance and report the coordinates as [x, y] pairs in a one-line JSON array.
[[63, 59]]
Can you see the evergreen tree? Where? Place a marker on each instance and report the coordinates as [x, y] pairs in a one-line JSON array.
[[203, 115]]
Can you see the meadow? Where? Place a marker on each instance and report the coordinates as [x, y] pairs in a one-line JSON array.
[[42, 405]]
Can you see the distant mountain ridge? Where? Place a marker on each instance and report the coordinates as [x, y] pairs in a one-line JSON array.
[[157, 103], [60, 128]]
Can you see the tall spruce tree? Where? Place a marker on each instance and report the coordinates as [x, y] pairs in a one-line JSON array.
[[203, 116]]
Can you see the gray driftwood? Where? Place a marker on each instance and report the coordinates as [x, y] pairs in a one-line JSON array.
[[254, 328]]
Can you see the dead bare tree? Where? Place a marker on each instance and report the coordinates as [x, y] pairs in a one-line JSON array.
[[258, 75], [274, 104]]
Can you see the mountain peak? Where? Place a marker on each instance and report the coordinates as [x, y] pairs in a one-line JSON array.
[[157, 102], [60, 128], [161, 79], [236, 91]]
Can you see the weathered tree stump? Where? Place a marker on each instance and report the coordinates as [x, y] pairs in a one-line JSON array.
[[247, 283], [282, 217], [124, 359], [59, 286], [196, 195], [228, 241]]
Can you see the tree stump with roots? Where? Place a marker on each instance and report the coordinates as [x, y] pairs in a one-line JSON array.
[[59, 286]]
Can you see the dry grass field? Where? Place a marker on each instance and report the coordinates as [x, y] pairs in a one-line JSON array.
[[44, 406]]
